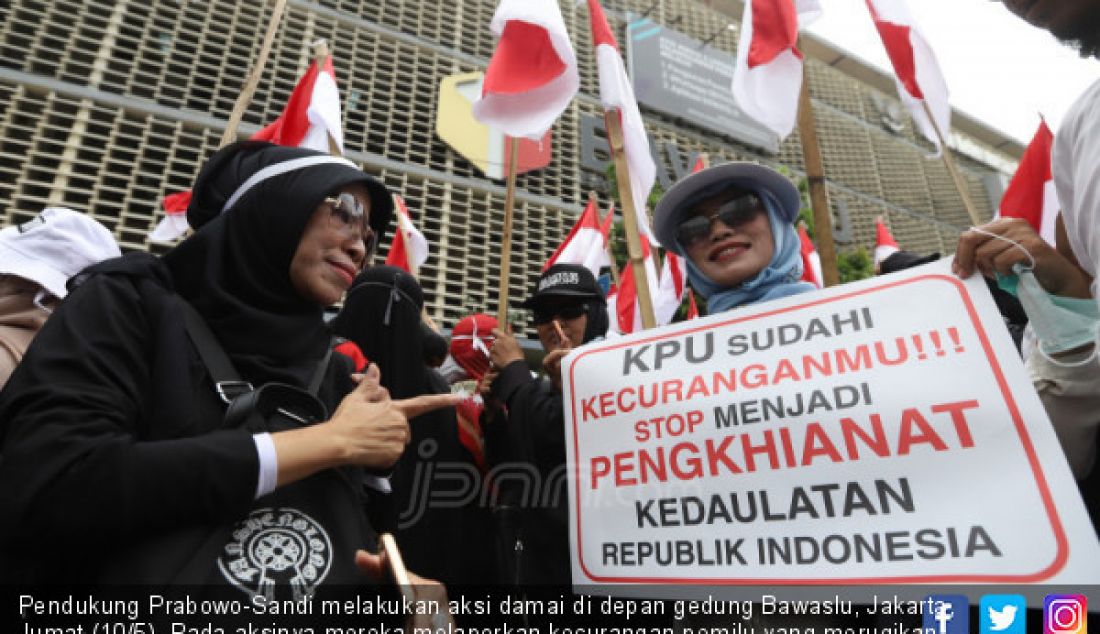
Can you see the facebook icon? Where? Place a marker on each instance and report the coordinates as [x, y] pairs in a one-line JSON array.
[[946, 614]]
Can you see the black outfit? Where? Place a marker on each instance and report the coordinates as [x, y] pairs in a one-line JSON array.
[[116, 466], [531, 432], [525, 429], [439, 541]]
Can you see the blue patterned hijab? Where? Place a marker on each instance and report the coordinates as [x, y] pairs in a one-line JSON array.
[[779, 279]]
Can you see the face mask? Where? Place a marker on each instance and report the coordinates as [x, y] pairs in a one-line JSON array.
[[40, 297], [1060, 323]]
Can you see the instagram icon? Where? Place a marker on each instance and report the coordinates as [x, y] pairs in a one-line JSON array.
[[1065, 614]]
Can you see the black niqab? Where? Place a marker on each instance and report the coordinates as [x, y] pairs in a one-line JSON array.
[[381, 314]]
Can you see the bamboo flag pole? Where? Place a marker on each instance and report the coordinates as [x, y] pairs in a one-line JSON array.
[[815, 174], [630, 219], [254, 76], [592, 200], [945, 151], [506, 240]]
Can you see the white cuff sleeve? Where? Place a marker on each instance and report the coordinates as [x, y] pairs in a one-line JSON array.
[[269, 464]]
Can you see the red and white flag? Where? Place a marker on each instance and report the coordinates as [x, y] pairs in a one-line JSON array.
[[918, 74], [693, 308], [811, 260], [586, 243], [670, 292], [1030, 194], [768, 75], [409, 250], [312, 113], [617, 98], [533, 73], [174, 224], [311, 116], [623, 306], [885, 245], [700, 164]]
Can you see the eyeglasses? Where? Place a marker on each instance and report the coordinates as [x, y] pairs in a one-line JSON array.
[[347, 214], [567, 312], [733, 213]]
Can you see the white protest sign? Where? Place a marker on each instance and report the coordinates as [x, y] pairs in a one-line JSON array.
[[878, 432]]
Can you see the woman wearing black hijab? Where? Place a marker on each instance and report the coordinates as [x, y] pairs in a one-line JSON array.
[[381, 315], [117, 466]]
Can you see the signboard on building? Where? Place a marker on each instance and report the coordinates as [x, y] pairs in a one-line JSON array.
[[481, 145], [684, 78]]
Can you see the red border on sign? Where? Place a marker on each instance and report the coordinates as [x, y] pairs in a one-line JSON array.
[[1044, 490]]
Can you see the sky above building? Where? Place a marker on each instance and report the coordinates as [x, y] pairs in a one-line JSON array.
[[999, 69]]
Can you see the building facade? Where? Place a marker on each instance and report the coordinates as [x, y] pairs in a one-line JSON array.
[[106, 106]]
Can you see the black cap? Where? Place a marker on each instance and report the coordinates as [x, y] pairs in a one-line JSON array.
[[565, 281]]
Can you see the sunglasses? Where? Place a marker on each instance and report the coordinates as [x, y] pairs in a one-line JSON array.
[[568, 312], [347, 215], [733, 213]]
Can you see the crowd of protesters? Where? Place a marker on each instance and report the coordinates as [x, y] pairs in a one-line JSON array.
[[192, 418]]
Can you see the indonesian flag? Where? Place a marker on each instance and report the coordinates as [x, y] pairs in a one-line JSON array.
[[409, 250], [617, 98], [768, 75], [811, 260], [586, 243], [1030, 194], [174, 223], [670, 292], [699, 165], [312, 113], [885, 246], [917, 72], [311, 116], [693, 308], [623, 306], [533, 73]]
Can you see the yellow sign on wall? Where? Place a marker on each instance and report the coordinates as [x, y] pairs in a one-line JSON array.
[[479, 144]]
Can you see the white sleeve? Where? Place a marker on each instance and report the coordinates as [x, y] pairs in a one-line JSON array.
[[269, 464]]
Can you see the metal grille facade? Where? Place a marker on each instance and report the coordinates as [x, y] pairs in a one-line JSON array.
[[107, 106]]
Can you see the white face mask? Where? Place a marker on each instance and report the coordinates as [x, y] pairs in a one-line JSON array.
[[1060, 323], [41, 296]]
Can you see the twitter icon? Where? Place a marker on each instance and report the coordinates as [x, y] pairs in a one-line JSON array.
[[1002, 614]]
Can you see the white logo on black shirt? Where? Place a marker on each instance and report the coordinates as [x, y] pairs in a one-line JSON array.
[[277, 547]]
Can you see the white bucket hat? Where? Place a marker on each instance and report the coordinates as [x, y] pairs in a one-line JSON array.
[[56, 245]]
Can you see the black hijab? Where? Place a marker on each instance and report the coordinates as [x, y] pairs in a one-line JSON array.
[[381, 315], [235, 269]]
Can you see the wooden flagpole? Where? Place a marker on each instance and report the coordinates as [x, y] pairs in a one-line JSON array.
[[630, 220], [592, 200], [815, 174], [506, 240], [945, 152], [253, 80]]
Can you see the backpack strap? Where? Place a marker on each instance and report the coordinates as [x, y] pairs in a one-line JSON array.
[[322, 367], [227, 381]]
